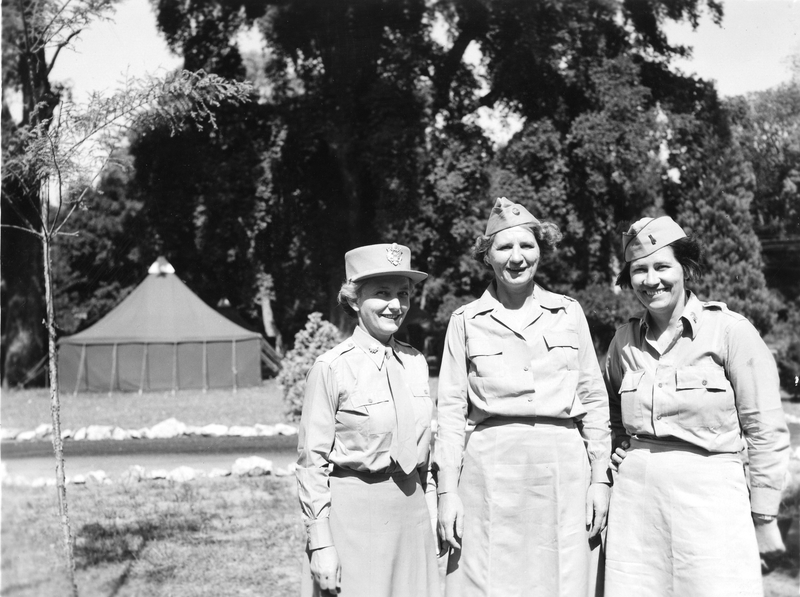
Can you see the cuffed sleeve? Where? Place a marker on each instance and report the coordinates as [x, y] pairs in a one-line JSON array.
[[754, 377], [315, 442], [452, 406], [319, 533]]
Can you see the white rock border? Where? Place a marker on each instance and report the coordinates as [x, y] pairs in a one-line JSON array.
[[251, 466], [169, 428]]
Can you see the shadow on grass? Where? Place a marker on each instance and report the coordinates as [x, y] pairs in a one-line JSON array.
[[98, 544]]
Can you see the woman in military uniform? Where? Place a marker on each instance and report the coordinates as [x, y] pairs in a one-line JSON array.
[[520, 371], [364, 444], [686, 382]]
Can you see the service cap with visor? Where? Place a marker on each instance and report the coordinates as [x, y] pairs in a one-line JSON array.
[[380, 260]]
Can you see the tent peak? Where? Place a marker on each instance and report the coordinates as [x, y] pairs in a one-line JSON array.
[[161, 266]]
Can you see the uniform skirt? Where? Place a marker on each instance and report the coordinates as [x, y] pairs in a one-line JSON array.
[[679, 524], [382, 531], [523, 486]]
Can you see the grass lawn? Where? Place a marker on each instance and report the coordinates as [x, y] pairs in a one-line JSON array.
[[229, 536], [26, 409], [221, 537]]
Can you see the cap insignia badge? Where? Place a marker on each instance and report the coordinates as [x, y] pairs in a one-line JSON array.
[[652, 240], [394, 255]]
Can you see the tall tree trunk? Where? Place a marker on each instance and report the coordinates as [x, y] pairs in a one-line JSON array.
[[55, 410]]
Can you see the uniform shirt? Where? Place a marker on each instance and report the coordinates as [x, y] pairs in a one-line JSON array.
[[715, 382], [545, 367], [349, 419]]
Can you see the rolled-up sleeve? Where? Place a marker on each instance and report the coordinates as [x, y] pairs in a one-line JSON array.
[[592, 394], [315, 442], [452, 406], [754, 377]]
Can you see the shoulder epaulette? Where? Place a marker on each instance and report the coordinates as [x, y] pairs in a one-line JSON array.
[[714, 305], [337, 351]]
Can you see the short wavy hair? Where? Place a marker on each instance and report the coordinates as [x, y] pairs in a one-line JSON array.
[[547, 237], [688, 252]]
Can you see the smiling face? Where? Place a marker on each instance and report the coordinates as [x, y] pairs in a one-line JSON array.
[[514, 257], [381, 305], [658, 282]]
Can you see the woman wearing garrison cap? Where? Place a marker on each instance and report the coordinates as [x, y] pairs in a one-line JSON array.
[[687, 382], [519, 370], [364, 444]]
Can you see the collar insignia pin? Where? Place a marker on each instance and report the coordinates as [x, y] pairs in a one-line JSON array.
[[394, 255], [373, 348]]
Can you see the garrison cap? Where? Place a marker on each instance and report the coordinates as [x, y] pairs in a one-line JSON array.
[[380, 260], [648, 235], [506, 214]]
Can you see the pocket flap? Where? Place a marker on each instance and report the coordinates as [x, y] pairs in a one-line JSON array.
[[631, 381], [691, 378], [564, 339], [365, 397], [483, 347]]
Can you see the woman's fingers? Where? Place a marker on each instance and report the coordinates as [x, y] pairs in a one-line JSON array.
[[451, 519], [597, 498]]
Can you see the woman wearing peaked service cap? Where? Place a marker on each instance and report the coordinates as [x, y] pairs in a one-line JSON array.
[[686, 382], [523, 507], [362, 471]]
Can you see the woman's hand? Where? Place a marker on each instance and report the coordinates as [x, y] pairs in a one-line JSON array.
[[770, 542], [451, 519], [597, 497], [619, 455], [326, 570]]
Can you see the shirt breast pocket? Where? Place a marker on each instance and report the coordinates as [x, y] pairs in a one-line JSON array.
[[486, 357], [377, 405], [562, 347], [423, 405], [704, 397], [631, 395]]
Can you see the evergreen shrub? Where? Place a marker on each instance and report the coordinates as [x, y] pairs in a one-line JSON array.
[[317, 337]]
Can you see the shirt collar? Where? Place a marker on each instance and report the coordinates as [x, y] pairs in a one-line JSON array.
[[370, 346], [690, 315], [489, 301]]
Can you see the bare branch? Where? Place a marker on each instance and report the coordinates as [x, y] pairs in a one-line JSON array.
[[28, 230], [60, 47]]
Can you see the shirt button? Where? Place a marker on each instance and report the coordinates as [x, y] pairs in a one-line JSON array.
[[659, 385], [527, 368], [658, 417], [530, 399], [370, 400], [705, 382]]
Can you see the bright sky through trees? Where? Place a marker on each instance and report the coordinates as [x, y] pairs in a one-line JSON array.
[[748, 53]]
